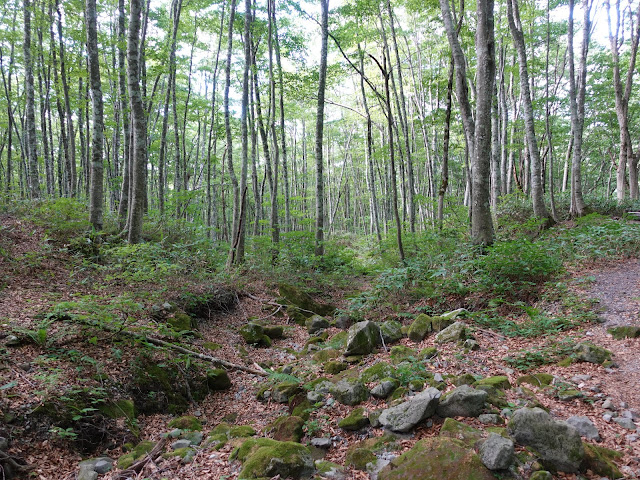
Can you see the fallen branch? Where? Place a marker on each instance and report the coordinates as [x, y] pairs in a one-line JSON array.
[[172, 346]]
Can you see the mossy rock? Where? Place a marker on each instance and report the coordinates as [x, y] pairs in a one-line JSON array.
[[218, 379], [398, 393], [419, 328], [303, 409], [187, 422], [287, 429], [283, 391], [391, 331], [499, 382], [536, 379], [377, 372], [181, 322], [274, 332], [325, 355], [626, 331], [465, 433], [326, 469], [427, 353], [600, 460], [303, 301], [139, 451], [358, 458], [241, 431], [591, 353], [186, 454], [123, 408], [541, 475], [339, 340], [286, 459], [439, 323], [333, 367], [356, 420], [466, 379], [216, 298], [495, 396], [212, 346], [437, 458], [254, 334], [400, 353], [565, 362], [297, 315]]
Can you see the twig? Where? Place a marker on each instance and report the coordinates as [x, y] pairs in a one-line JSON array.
[[137, 467], [490, 332]]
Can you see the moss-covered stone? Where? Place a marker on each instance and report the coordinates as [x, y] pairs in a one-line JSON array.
[[377, 372], [326, 469], [466, 379], [307, 305], [438, 458], [463, 432], [283, 391], [536, 379], [218, 379], [186, 454], [499, 382], [495, 396], [356, 420], [181, 322], [286, 429], [212, 346], [123, 408], [419, 328], [541, 475], [254, 334], [626, 331], [269, 459], [565, 362], [427, 353], [274, 332], [600, 460], [400, 353], [241, 431], [325, 355], [187, 422], [358, 458], [398, 393], [589, 352], [333, 367], [140, 450], [391, 331]]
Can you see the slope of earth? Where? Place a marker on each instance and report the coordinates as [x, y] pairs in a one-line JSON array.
[[53, 350]]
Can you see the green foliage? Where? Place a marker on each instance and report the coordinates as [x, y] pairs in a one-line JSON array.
[[63, 217], [549, 353], [537, 324]]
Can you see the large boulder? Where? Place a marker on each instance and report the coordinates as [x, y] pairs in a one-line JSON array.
[[303, 302], [349, 392], [437, 458], [588, 352], [405, 416], [464, 401], [363, 338], [419, 328], [391, 331], [558, 444], [264, 457], [316, 323]]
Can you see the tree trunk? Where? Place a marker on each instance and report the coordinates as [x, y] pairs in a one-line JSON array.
[[97, 138], [30, 117], [324, 26]]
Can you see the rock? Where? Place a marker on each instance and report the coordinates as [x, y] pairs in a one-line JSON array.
[[588, 352], [437, 458], [180, 321], [333, 367], [453, 333], [139, 451], [608, 404], [464, 401], [625, 423], [12, 341], [4, 443], [363, 338], [585, 427], [283, 391], [356, 420], [470, 345], [558, 443], [87, 474], [316, 323], [626, 331], [405, 416], [323, 442], [349, 392], [287, 429], [307, 305], [541, 475], [360, 458], [254, 334], [264, 457], [419, 328], [194, 437], [343, 321], [537, 379], [391, 331], [218, 379], [490, 419], [600, 461], [496, 452], [499, 382], [384, 388], [182, 443], [274, 332], [467, 434], [607, 417]]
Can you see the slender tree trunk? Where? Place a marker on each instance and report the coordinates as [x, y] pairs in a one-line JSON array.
[[139, 157], [30, 118], [444, 179], [97, 140], [324, 26], [227, 121], [537, 190]]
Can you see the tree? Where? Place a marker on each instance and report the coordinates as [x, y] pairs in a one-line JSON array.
[[30, 117], [322, 82], [97, 167]]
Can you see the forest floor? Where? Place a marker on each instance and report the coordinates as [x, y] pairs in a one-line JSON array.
[[36, 275]]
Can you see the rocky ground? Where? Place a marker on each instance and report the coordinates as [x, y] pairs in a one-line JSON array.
[[88, 390]]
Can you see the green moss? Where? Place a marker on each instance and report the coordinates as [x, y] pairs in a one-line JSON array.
[[334, 367], [303, 301], [358, 458], [303, 410], [400, 353], [123, 408], [212, 346], [466, 379], [536, 379], [218, 379], [325, 355], [180, 322], [338, 341], [398, 393], [241, 431], [498, 430], [427, 353], [274, 332], [541, 475], [499, 382], [355, 421], [128, 459], [287, 429], [600, 460], [187, 422], [325, 467], [377, 372], [565, 362], [622, 332], [419, 328], [463, 432], [186, 454], [287, 459]]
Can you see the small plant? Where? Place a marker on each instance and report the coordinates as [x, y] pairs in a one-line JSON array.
[[64, 433]]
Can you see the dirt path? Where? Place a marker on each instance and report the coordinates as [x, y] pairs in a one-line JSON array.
[[618, 290]]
